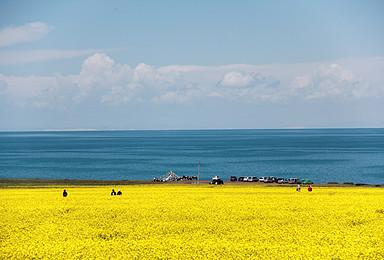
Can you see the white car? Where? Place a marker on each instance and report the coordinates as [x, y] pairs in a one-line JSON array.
[[263, 179]]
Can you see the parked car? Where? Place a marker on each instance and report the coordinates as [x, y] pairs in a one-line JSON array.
[[240, 179], [255, 179], [233, 178], [272, 179], [306, 182], [245, 179], [216, 180], [263, 179], [282, 181], [294, 181], [252, 179]]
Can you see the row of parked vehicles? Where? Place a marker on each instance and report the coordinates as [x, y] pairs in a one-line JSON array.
[[216, 180], [271, 179]]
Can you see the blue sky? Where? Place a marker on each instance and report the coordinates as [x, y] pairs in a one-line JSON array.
[[191, 64]]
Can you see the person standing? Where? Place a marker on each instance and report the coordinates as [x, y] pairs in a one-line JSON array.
[[298, 188], [65, 194], [119, 192], [113, 193], [310, 188]]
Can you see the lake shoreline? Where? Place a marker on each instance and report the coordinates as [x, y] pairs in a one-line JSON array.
[[25, 183]]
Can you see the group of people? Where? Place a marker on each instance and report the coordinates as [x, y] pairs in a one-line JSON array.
[[65, 193], [113, 193], [299, 188]]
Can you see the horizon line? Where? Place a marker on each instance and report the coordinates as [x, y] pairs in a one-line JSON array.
[[185, 129]]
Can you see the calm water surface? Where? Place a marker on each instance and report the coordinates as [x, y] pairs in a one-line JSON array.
[[341, 155]]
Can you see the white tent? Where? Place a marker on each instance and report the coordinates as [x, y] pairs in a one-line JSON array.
[[169, 176]]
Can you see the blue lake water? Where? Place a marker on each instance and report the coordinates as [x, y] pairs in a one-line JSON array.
[[322, 155]]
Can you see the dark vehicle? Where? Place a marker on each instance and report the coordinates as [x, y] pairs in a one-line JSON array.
[[271, 179], [252, 179], [233, 178], [241, 179], [294, 181], [216, 180]]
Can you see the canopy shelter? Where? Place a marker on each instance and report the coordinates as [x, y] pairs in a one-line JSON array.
[[169, 176]]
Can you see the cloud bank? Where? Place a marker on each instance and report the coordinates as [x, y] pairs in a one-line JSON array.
[[333, 81], [29, 32], [103, 82]]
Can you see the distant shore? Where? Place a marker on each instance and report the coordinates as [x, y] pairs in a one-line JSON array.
[[10, 182]]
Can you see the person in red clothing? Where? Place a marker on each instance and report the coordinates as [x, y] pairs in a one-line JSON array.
[[310, 188]]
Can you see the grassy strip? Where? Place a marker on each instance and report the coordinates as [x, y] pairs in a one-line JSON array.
[[41, 183]]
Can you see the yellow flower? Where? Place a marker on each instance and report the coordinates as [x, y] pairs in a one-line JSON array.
[[190, 222]]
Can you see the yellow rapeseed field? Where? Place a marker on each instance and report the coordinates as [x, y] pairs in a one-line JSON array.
[[190, 222]]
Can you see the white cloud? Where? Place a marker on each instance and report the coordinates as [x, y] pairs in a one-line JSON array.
[[250, 87], [96, 64], [32, 32], [32, 90], [99, 76], [116, 96], [144, 73], [332, 81], [29, 32], [237, 79], [3, 84], [103, 81], [301, 82]]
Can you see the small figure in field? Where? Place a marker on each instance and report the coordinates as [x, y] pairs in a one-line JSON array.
[[310, 188], [65, 194], [298, 188], [119, 192], [113, 192]]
